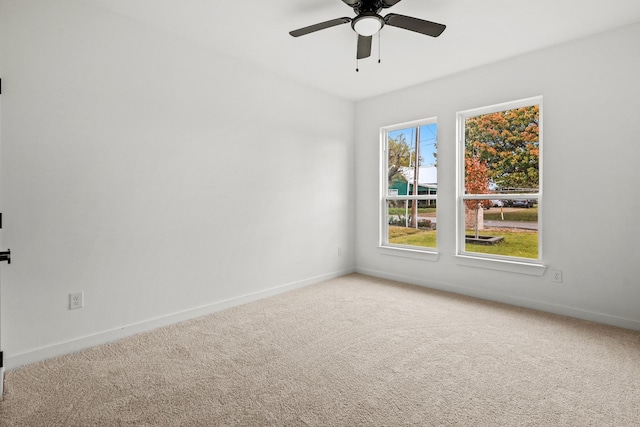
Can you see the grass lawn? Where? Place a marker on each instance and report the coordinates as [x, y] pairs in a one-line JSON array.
[[521, 243], [411, 236]]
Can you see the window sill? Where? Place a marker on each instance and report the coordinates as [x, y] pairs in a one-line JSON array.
[[501, 265], [409, 253]]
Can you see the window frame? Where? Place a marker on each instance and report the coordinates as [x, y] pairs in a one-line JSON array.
[[476, 259], [394, 249]]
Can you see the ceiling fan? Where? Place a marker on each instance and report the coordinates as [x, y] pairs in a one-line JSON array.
[[368, 22]]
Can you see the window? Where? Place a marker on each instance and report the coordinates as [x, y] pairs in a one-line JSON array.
[[410, 185], [499, 181]]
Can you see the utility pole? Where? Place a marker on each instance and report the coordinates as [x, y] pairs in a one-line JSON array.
[[416, 171]]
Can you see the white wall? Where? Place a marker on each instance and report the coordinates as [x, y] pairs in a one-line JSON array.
[[591, 175], [162, 180]]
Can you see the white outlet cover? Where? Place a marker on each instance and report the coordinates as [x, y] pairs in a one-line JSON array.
[[76, 300]]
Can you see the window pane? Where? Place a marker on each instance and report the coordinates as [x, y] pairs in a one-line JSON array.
[[411, 162], [502, 227], [406, 229], [502, 152], [412, 170]]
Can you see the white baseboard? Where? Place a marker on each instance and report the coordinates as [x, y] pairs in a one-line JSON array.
[[562, 310], [71, 346]]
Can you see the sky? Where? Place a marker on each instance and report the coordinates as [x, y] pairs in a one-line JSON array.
[[428, 140]]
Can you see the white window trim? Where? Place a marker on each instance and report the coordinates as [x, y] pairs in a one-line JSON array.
[[509, 265], [474, 259], [385, 248]]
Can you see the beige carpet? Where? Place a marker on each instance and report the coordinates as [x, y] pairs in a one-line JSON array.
[[354, 351]]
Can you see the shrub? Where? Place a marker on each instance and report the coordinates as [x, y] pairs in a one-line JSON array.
[[400, 220]]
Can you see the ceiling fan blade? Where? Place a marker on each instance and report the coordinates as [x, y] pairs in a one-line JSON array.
[[364, 46], [320, 26], [389, 3], [421, 26]]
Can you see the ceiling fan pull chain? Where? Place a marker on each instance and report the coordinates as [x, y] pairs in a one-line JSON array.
[[379, 38], [357, 64]]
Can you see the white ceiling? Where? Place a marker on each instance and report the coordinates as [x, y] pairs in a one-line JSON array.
[[478, 32]]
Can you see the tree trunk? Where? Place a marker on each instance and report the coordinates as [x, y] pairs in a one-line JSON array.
[[477, 234]]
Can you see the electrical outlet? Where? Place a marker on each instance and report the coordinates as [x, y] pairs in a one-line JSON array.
[[556, 276], [76, 300]]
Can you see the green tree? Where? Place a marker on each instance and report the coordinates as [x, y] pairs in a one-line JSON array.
[[508, 143], [399, 156]]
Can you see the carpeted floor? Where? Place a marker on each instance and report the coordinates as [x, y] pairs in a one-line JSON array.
[[354, 351]]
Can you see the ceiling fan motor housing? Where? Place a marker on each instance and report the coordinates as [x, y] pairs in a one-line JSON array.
[[375, 6]]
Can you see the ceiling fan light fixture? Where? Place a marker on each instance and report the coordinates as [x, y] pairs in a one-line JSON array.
[[367, 24]]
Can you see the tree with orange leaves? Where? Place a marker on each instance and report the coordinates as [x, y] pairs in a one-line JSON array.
[[508, 144], [476, 181]]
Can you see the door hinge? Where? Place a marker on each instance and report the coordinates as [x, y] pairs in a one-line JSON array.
[[6, 256]]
